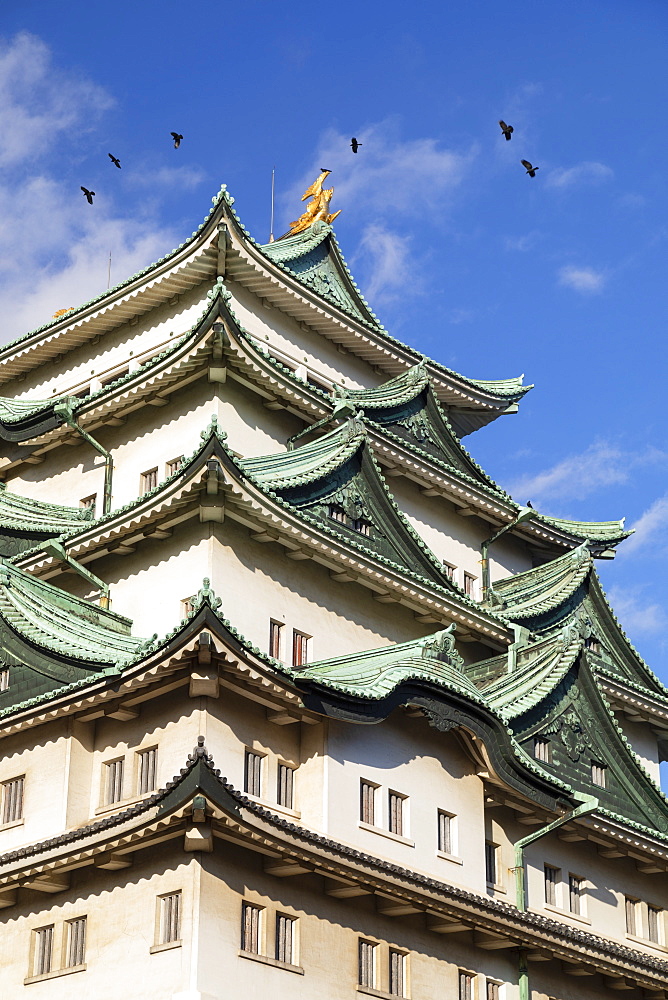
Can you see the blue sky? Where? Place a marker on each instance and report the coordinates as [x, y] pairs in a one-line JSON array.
[[461, 254]]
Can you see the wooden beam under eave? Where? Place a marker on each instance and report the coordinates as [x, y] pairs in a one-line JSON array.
[[396, 908], [445, 925], [284, 869], [7, 898], [618, 984], [386, 598], [112, 861], [50, 882], [577, 970], [492, 942], [345, 890]]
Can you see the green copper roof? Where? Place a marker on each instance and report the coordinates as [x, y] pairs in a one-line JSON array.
[[26, 513], [287, 470], [14, 410], [51, 619], [375, 673], [603, 531], [536, 591]]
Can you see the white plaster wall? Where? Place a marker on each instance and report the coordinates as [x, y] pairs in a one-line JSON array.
[[41, 756], [644, 742]]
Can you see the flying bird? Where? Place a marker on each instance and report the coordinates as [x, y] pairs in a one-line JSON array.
[[530, 169], [177, 139], [114, 159], [506, 129], [354, 144], [89, 195]]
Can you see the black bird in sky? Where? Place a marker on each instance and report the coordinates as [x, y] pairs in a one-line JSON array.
[[506, 129], [530, 169], [177, 139], [89, 195], [354, 144], [114, 159], [529, 504]]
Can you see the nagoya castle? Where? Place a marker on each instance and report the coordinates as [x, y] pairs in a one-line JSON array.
[[295, 701]]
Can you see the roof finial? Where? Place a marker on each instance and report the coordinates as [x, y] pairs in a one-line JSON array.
[[317, 209]]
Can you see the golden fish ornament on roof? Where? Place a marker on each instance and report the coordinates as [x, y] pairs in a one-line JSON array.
[[317, 209]]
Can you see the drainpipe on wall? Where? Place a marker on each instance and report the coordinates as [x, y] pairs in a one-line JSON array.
[[525, 514], [65, 410], [52, 547], [589, 805]]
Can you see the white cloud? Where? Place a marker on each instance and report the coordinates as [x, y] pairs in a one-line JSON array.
[[37, 100], [522, 243], [634, 612], [578, 476], [588, 172], [385, 256], [54, 247], [582, 279], [651, 528]]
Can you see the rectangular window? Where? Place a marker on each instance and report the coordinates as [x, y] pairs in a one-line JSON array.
[[114, 781], [275, 639], [76, 942], [395, 813], [542, 750], [631, 908], [285, 790], [490, 862], [285, 936], [552, 876], [147, 770], [469, 584], [186, 607], [170, 918], [367, 802], [492, 990], [299, 648], [367, 964], [88, 503], [397, 977], [250, 928], [148, 481], [362, 526], [575, 885], [173, 466], [43, 955], [598, 774], [465, 985], [12, 800], [445, 833], [593, 645], [253, 773], [653, 924], [449, 570], [4, 679], [338, 513]]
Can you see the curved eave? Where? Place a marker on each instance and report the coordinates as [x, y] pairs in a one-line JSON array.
[[543, 588], [188, 265], [27, 514]]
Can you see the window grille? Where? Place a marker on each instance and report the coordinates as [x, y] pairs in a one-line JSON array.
[[367, 964], [445, 844], [275, 639], [253, 773], [469, 585], [12, 800], [593, 645], [148, 763], [114, 782], [284, 938], [186, 607], [367, 802], [542, 750], [490, 862], [173, 466], [575, 893], [397, 977], [362, 526], [76, 941], [631, 906], [170, 917], [449, 570], [653, 921], [43, 950], [551, 883], [88, 503], [148, 481], [4, 679], [599, 774], [299, 648], [337, 513], [465, 986], [250, 928], [396, 813], [285, 791], [492, 990]]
